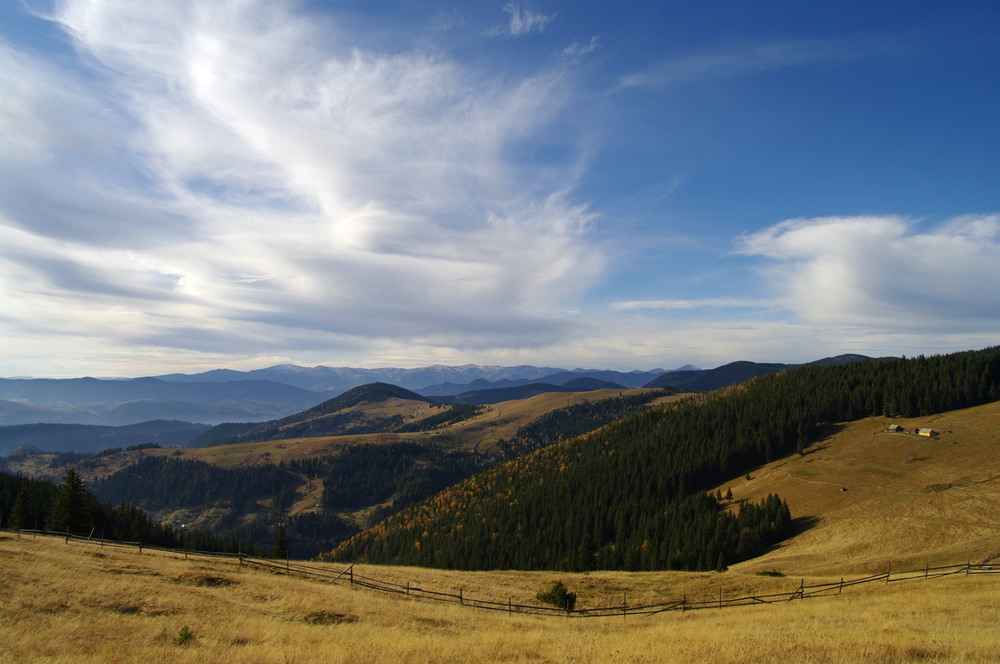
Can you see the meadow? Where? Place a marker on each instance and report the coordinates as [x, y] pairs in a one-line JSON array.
[[71, 603]]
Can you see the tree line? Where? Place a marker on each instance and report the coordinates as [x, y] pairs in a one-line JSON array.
[[29, 504], [632, 495]]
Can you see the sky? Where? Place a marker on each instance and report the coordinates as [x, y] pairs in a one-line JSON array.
[[195, 185]]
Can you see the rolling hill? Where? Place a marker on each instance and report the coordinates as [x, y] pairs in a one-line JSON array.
[[324, 486], [366, 409], [631, 495]]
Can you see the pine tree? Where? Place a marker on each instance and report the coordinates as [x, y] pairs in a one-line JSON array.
[[23, 513], [71, 507], [280, 549]]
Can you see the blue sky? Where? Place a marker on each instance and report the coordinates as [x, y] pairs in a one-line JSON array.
[[192, 185]]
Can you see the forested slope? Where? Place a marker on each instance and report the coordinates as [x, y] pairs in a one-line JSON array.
[[29, 504], [632, 495]]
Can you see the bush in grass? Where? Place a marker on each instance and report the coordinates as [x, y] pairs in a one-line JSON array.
[[558, 596], [184, 637]]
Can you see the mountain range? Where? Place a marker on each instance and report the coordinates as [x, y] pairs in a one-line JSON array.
[[224, 395]]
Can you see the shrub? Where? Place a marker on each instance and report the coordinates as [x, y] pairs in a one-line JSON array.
[[558, 596], [184, 637]]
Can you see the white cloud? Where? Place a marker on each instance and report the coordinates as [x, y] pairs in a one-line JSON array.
[[524, 21], [691, 304], [753, 59], [576, 49], [241, 177], [881, 273]]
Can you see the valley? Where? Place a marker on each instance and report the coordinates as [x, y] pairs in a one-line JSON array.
[[295, 490]]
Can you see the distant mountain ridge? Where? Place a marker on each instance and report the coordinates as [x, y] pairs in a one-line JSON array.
[[224, 395], [738, 372], [95, 438], [340, 379], [497, 394]]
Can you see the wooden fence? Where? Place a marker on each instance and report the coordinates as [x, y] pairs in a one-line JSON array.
[[348, 576]]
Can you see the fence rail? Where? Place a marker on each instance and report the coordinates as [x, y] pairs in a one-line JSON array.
[[348, 576]]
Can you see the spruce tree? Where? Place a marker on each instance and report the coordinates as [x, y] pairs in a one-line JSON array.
[[280, 548], [22, 515], [71, 507]]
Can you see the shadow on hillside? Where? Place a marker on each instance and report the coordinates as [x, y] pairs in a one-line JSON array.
[[803, 523], [823, 436]]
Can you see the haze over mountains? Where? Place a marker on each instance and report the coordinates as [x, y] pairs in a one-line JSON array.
[[224, 395]]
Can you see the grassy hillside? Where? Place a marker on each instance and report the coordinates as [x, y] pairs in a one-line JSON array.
[[83, 604], [870, 498], [631, 496], [373, 408]]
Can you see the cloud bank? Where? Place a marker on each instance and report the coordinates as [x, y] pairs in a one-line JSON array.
[[883, 273]]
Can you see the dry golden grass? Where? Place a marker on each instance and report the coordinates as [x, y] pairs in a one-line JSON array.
[[875, 498], [67, 603]]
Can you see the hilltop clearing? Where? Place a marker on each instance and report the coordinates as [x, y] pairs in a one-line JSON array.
[[871, 498]]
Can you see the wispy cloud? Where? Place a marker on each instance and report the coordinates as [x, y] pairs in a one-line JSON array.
[[523, 21], [692, 304], [576, 49], [732, 61], [231, 176]]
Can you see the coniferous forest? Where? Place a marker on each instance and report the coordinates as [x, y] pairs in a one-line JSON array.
[[633, 495], [28, 504]]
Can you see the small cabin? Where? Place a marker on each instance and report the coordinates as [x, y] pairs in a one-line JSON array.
[[912, 430], [926, 432], [895, 428]]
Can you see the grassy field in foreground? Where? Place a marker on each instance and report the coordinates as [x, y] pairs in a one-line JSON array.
[[67, 603]]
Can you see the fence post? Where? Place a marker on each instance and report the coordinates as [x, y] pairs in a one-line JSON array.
[[352, 577], [407, 588], [967, 566], [510, 607], [461, 600], [625, 604], [841, 589], [684, 603], [888, 573], [720, 598], [927, 569]]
